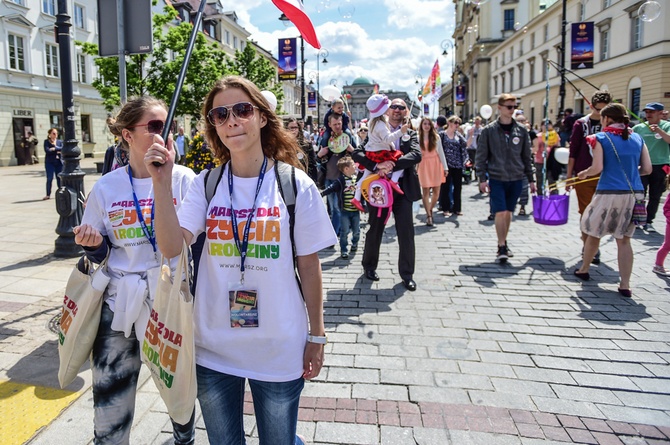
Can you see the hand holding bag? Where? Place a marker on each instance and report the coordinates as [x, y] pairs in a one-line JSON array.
[[168, 348], [640, 208], [80, 317]]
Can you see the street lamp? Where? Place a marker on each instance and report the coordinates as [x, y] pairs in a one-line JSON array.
[[448, 44], [418, 80], [285, 20], [323, 53]]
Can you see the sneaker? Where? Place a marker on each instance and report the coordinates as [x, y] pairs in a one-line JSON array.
[[354, 247], [491, 217], [648, 228], [660, 270], [502, 253], [596, 259], [509, 251], [344, 256]]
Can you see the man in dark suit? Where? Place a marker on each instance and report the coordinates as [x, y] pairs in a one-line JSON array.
[[402, 204]]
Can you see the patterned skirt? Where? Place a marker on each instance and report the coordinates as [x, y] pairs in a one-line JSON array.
[[609, 214]]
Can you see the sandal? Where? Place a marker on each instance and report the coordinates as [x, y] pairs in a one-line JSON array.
[[582, 275], [625, 292], [429, 221]]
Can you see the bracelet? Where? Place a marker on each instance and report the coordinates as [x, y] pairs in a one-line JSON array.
[[321, 340]]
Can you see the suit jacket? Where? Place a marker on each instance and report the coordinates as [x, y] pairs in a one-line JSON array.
[[409, 183]]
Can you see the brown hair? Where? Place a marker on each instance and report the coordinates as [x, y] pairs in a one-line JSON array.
[[601, 97], [454, 118], [277, 143], [345, 161], [52, 129], [505, 97], [432, 135], [130, 114], [618, 114]]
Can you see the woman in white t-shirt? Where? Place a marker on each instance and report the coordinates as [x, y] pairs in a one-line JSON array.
[[110, 222], [254, 324]]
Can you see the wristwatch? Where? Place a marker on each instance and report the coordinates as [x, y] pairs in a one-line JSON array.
[[321, 340]]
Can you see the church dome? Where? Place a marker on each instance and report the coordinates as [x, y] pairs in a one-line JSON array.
[[361, 81]]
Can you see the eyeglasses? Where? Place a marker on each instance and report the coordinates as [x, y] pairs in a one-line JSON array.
[[293, 128], [155, 126], [509, 107], [362, 130], [398, 107], [456, 122], [241, 110]]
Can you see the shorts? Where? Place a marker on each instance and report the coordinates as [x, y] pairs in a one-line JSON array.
[[504, 195]]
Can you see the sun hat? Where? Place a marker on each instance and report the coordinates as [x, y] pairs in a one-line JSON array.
[[377, 104]]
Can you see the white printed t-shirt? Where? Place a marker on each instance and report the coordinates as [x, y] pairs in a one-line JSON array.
[[110, 208], [272, 352]]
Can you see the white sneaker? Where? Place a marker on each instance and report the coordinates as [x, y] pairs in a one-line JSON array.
[[649, 228], [660, 270]]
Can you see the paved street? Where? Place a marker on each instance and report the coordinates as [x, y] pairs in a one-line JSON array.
[[481, 353]]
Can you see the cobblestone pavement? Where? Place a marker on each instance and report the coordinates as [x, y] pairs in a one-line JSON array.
[[481, 353]]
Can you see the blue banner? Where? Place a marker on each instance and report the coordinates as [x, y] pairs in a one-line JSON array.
[[311, 99], [460, 94], [288, 59], [426, 108], [583, 42]]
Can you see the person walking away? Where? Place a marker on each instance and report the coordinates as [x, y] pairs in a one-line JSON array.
[[121, 202], [432, 169], [620, 157], [402, 203], [350, 216], [504, 155], [455, 152], [656, 137], [53, 162], [278, 341]]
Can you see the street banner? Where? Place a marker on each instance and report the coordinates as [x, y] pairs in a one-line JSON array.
[[295, 12], [426, 109], [582, 45], [461, 94], [288, 59], [433, 88], [311, 99]]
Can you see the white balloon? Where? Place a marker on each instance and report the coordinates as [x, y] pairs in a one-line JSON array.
[[416, 122], [486, 111], [330, 93], [271, 98], [562, 155]]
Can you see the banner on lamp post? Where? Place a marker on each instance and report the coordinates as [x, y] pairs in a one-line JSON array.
[[426, 109], [288, 59], [311, 99], [461, 94], [583, 43]]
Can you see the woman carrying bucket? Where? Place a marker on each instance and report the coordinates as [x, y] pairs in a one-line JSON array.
[[622, 157]]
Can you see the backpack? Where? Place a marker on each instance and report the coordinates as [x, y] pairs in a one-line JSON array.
[[285, 177], [378, 193]]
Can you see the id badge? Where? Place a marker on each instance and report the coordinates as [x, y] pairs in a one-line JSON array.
[[243, 301]]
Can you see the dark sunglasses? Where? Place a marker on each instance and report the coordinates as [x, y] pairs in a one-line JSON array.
[[294, 128], [156, 126], [362, 130], [241, 110], [398, 107], [509, 107]]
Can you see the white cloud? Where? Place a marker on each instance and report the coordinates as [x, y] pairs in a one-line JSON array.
[[414, 14]]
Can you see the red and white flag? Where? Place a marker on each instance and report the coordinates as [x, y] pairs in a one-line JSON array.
[[294, 10]]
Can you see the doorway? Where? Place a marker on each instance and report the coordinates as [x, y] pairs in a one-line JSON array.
[[21, 127]]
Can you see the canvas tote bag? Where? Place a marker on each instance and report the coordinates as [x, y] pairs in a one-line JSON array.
[[168, 348], [80, 317]]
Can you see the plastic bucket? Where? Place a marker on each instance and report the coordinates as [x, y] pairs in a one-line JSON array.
[[551, 210]]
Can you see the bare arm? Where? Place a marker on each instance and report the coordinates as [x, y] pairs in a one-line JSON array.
[[309, 270], [597, 164], [645, 161]]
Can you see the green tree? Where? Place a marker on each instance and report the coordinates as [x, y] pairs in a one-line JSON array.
[[257, 69]]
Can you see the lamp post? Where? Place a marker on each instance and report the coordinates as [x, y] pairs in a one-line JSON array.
[[418, 80], [447, 44], [69, 202], [561, 91], [322, 53], [286, 22]]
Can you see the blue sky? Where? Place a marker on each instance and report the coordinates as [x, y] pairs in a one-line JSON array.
[[387, 41]]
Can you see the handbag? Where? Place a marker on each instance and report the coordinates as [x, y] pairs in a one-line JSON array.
[[168, 348], [80, 317], [639, 216]]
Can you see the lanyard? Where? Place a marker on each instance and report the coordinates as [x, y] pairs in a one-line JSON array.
[[242, 247], [149, 233]]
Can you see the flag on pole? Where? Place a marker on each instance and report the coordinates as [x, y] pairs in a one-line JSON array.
[[295, 12], [433, 87]]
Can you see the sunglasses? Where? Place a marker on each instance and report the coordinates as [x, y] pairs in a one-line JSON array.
[[509, 107], [155, 126], [398, 107], [294, 128], [241, 110], [362, 131]]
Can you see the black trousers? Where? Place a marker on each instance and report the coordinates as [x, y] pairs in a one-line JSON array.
[[454, 182], [404, 225], [655, 183]]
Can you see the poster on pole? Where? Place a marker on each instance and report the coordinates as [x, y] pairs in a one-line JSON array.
[[288, 59], [460, 94], [426, 109], [581, 56], [311, 99]]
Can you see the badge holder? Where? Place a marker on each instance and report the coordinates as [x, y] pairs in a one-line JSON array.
[[243, 301]]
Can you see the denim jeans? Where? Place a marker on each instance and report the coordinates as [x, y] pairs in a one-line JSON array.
[[276, 404], [53, 169], [349, 221], [116, 367], [334, 205]]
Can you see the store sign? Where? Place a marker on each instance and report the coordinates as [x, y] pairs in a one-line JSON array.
[[22, 113]]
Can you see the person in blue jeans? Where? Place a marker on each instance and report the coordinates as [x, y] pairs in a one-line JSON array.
[[52, 159], [350, 216]]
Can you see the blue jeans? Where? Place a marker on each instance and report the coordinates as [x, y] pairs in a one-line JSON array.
[[334, 205], [349, 221], [276, 404], [53, 169], [115, 367]]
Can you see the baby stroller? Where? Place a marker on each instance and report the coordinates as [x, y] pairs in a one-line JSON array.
[[468, 170]]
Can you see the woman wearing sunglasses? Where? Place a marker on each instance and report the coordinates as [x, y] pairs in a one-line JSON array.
[[111, 221], [306, 154], [278, 341]]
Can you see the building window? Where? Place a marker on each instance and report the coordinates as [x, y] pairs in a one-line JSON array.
[[511, 53], [18, 2], [544, 68], [521, 48], [520, 76], [79, 17], [81, 68], [531, 71], [508, 19], [511, 80], [604, 45], [51, 54], [502, 82], [532, 40], [495, 85], [503, 59], [235, 42], [546, 32], [607, 3], [49, 7], [86, 128], [582, 12], [56, 121], [636, 35], [16, 54], [228, 38], [635, 100]]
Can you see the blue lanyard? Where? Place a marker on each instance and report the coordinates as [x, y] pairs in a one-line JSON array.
[[149, 233], [242, 247]]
